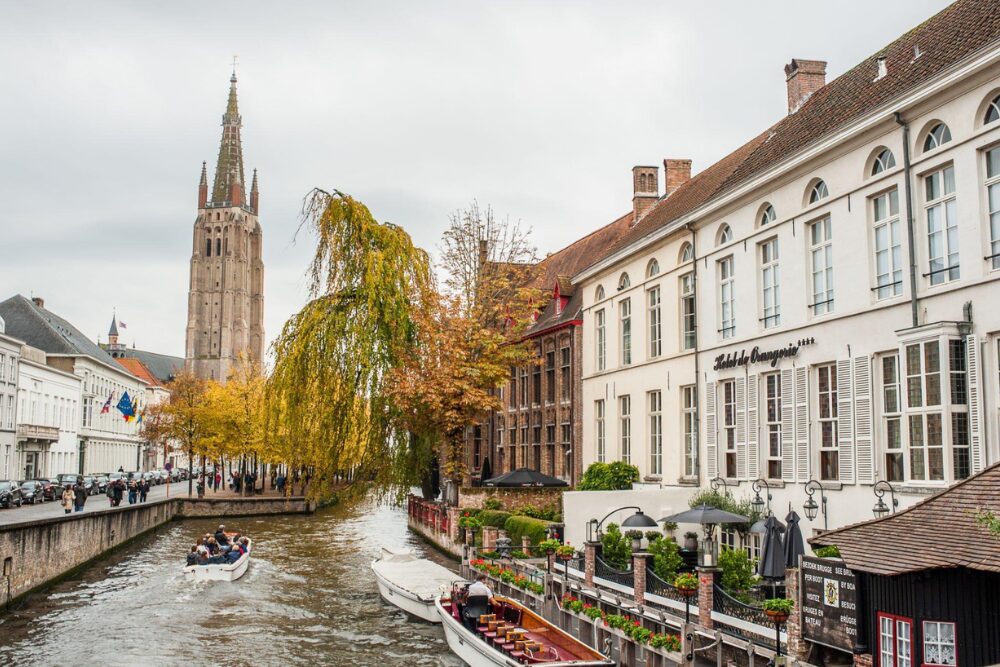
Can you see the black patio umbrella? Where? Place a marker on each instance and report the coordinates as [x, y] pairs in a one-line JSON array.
[[772, 558], [794, 546], [487, 470], [524, 477], [707, 515]]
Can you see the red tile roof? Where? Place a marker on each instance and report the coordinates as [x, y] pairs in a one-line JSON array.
[[951, 36], [938, 532], [581, 253], [138, 369]]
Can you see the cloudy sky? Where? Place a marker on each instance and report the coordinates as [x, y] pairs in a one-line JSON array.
[[537, 108]]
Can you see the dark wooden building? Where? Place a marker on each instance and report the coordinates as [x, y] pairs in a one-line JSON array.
[[928, 579]]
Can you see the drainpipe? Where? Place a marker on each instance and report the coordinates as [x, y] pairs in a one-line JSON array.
[[697, 372], [910, 238]]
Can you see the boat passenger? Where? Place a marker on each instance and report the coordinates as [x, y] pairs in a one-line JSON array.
[[221, 537], [233, 555], [192, 557], [213, 547], [478, 602]]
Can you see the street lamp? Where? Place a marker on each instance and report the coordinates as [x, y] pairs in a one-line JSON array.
[[637, 520], [758, 502], [810, 506], [719, 481], [881, 509]]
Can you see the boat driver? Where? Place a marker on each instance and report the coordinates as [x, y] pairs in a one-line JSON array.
[[477, 603], [480, 588]]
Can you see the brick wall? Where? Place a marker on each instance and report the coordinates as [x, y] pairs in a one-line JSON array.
[[511, 499]]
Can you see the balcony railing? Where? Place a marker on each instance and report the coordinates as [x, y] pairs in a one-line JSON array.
[[37, 432]]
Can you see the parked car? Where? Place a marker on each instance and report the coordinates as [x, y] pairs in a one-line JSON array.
[[149, 477], [49, 489], [68, 479], [90, 482], [102, 483], [115, 476], [32, 492], [10, 494]]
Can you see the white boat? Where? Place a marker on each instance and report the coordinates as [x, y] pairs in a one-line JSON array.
[[220, 571], [411, 583], [529, 637]]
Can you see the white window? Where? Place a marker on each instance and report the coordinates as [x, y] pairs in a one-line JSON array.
[[993, 204], [821, 254], [687, 252], [653, 268], [884, 160], [939, 135], [689, 419], [624, 282], [600, 339], [772, 423], [687, 312], [3, 367], [725, 235], [817, 192], [600, 429], [625, 312], [729, 425], [829, 454], [625, 427], [655, 403], [770, 280], [895, 641], [892, 429], [942, 226], [939, 643], [923, 399], [767, 216], [727, 303], [655, 342], [992, 111], [888, 248], [959, 406]]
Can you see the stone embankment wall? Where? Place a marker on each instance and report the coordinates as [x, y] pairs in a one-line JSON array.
[[36, 553], [511, 499]]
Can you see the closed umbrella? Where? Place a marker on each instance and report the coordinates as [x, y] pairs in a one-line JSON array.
[[794, 546], [486, 472], [772, 559]]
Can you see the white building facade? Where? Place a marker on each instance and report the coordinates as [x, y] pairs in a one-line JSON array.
[[10, 351], [48, 414], [816, 309]]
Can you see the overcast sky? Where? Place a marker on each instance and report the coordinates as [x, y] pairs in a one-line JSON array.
[[539, 109]]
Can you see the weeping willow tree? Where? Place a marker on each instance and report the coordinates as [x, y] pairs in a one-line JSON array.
[[327, 403]]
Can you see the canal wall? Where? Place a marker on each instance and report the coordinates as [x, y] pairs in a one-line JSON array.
[[36, 553]]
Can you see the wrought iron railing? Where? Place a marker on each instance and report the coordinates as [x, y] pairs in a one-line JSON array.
[[658, 586], [612, 574], [726, 604], [575, 563]]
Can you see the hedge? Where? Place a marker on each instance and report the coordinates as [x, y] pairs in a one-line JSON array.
[[495, 518], [535, 530]]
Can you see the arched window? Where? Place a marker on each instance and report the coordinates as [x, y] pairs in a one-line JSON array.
[[993, 111], [818, 191], [652, 268], [218, 246], [767, 215], [687, 252], [624, 282], [599, 295], [725, 235], [884, 159], [939, 134], [208, 247]]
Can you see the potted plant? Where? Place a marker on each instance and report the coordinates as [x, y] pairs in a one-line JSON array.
[[653, 535], [778, 609], [549, 546], [691, 540], [565, 552], [668, 528], [686, 584], [636, 537]]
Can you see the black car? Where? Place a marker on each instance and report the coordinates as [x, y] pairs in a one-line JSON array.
[[10, 494], [49, 488], [90, 482], [68, 479], [32, 492], [102, 483]]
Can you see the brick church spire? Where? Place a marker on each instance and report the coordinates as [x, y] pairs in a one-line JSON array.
[[228, 188]]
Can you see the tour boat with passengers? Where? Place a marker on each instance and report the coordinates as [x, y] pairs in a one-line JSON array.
[[498, 631], [221, 571], [411, 583]]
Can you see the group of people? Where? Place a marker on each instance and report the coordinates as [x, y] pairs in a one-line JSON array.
[[219, 549], [136, 489], [74, 497]]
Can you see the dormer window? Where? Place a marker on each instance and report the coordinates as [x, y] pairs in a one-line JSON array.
[[939, 135], [993, 111], [725, 235], [818, 191], [884, 160], [767, 215], [624, 282]]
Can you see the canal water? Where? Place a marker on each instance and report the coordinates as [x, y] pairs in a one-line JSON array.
[[309, 598]]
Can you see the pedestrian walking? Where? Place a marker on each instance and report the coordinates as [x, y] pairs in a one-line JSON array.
[[133, 492], [119, 491], [67, 499], [218, 480], [79, 495], [280, 483], [201, 486], [143, 490]]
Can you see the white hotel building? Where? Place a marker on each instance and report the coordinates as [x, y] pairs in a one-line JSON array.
[[860, 237]]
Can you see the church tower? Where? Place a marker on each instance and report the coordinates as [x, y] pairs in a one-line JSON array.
[[226, 292]]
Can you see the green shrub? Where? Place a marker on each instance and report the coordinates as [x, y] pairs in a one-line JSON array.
[[780, 605], [827, 552], [615, 549], [686, 580], [492, 504], [494, 518], [544, 513], [727, 503], [666, 559], [617, 476], [737, 571], [653, 535], [517, 527]]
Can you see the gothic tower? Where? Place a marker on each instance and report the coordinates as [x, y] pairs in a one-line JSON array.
[[226, 293]]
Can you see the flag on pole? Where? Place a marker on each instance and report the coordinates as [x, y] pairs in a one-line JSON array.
[[122, 324], [125, 406], [135, 409], [107, 404]]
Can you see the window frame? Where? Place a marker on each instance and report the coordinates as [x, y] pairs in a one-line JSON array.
[[923, 413], [992, 185], [769, 256], [767, 216], [923, 643], [881, 164], [600, 339], [550, 377], [822, 297], [565, 373], [654, 406], [828, 454], [937, 136], [728, 426], [689, 429], [625, 331], [895, 620], [772, 427], [889, 228], [725, 270], [625, 428], [949, 224], [600, 428], [889, 386], [655, 321], [818, 191], [688, 319], [992, 109]]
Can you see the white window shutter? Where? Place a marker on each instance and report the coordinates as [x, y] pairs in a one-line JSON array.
[[787, 425], [863, 441], [741, 428], [845, 421], [977, 454], [753, 453], [802, 423], [711, 433]]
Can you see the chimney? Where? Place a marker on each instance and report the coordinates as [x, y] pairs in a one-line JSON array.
[[676, 173], [484, 252], [645, 190], [38, 301], [804, 77]]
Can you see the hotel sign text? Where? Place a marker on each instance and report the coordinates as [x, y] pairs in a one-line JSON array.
[[759, 356]]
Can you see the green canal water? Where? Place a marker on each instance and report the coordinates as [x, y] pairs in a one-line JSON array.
[[309, 598]]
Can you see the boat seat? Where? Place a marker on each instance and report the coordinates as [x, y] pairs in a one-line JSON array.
[[476, 606]]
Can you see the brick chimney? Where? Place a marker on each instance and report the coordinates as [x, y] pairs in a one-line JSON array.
[[676, 173], [804, 77], [645, 190], [38, 301]]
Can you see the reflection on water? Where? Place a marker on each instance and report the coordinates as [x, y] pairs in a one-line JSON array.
[[309, 598]]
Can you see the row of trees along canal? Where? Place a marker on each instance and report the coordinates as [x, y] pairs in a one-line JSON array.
[[374, 381]]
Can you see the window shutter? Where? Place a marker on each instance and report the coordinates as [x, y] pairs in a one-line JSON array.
[[802, 423], [863, 443], [741, 428], [711, 434], [977, 457], [845, 421], [753, 454], [787, 425]]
